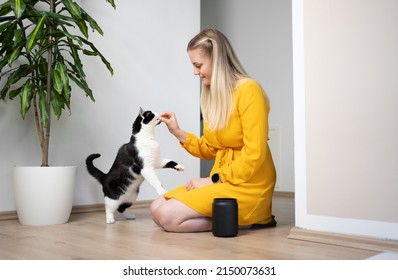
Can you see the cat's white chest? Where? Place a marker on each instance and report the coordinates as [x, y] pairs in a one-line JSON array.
[[148, 149]]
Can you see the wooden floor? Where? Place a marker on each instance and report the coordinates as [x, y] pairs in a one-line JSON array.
[[87, 236]]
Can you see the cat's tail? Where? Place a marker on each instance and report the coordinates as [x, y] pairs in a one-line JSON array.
[[94, 171]]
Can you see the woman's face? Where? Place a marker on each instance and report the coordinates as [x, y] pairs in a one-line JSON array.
[[202, 65]]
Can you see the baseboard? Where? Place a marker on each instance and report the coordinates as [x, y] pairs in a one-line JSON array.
[[8, 215], [100, 207], [357, 242], [284, 194], [11, 215]]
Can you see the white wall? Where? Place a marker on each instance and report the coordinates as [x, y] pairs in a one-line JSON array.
[[345, 102], [261, 34], [145, 41]]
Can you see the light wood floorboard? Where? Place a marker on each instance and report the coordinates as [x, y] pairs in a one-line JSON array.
[[87, 236]]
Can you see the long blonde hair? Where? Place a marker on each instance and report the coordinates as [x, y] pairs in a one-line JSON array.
[[217, 99]]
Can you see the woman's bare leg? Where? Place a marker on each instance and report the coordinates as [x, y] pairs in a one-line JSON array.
[[154, 206], [173, 215]]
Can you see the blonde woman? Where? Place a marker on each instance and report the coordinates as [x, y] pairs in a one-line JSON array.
[[235, 110]]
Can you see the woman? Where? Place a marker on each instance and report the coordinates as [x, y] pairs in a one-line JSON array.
[[235, 111]]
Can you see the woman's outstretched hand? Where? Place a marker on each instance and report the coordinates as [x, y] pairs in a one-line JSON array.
[[169, 118]]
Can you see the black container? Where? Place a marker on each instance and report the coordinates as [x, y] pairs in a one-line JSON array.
[[225, 217]]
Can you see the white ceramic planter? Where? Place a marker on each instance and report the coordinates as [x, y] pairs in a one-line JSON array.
[[44, 195]]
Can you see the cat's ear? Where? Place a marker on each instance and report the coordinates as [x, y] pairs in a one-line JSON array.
[[141, 112]]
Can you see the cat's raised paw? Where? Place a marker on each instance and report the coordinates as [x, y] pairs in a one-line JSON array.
[[179, 167]]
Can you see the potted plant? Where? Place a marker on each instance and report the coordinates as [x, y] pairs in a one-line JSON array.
[[41, 42]]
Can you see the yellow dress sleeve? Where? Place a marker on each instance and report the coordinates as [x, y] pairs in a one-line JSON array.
[[199, 147]]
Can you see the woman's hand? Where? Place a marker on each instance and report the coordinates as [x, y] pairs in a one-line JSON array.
[[198, 182], [169, 118]]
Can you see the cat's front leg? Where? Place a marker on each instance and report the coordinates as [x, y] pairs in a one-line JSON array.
[[150, 175], [110, 208], [110, 218]]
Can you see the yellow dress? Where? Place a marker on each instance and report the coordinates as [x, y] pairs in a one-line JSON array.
[[242, 158]]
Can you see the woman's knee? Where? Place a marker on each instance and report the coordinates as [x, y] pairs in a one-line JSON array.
[[153, 209], [161, 215], [164, 217], [171, 214]]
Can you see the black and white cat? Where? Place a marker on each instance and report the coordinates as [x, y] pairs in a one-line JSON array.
[[134, 162]]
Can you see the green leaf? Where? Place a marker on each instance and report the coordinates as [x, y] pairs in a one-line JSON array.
[[3, 62], [106, 62], [14, 55], [83, 27], [41, 66], [14, 77], [63, 74], [71, 37], [4, 26], [84, 86], [17, 46], [76, 13], [67, 95], [57, 103], [18, 6], [26, 98], [95, 50], [73, 8], [5, 8], [34, 36], [14, 93], [18, 37], [90, 53], [43, 108], [33, 11], [112, 2], [56, 81], [60, 19], [94, 25], [78, 67], [7, 37]]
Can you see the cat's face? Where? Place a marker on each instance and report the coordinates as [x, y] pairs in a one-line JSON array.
[[149, 118], [145, 120]]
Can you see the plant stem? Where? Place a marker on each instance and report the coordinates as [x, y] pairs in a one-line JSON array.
[[45, 148]]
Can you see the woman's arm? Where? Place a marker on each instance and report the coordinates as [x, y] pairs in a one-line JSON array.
[[196, 147], [170, 120]]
